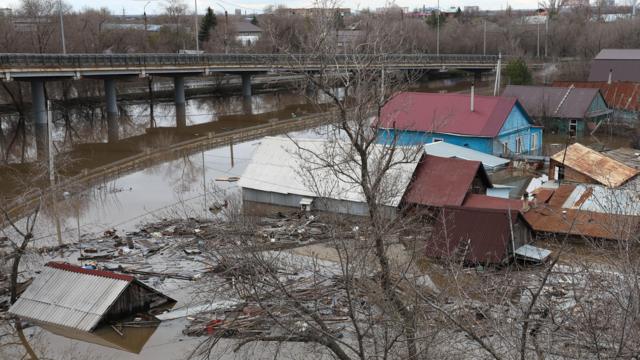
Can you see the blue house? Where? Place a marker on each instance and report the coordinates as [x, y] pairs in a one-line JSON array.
[[494, 125]]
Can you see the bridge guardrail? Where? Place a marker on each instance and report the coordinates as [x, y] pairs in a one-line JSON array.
[[143, 60]]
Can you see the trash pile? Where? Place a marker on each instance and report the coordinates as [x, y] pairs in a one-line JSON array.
[[324, 298]]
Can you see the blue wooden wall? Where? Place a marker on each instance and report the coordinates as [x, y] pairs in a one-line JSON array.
[[518, 124]]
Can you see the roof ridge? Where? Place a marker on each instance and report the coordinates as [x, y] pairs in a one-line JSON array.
[[77, 269]]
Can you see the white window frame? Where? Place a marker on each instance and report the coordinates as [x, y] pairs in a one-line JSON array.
[[534, 142], [519, 145], [505, 148]]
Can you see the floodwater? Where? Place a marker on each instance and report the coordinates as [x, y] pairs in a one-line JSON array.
[[185, 185]]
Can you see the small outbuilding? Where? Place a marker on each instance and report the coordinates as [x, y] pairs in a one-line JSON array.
[[580, 164], [567, 110], [616, 65], [484, 230], [65, 296]]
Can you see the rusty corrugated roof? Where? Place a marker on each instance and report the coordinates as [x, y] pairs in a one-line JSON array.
[[447, 113], [595, 165], [444, 181], [541, 101], [550, 217], [622, 95]]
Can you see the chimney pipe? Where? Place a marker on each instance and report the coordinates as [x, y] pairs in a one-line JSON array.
[[472, 95], [610, 76]]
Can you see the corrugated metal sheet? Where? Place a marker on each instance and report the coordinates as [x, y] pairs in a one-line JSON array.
[[445, 149], [491, 202], [604, 200], [443, 181], [447, 113], [597, 166], [621, 95], [282, 166], [67, 298], [548, 216], [541, 101]]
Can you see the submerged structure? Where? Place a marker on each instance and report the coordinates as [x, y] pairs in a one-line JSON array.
[[75, 302]]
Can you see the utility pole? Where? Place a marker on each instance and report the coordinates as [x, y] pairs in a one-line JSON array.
[[52, 170], [496, 86], [226, 29], [484, 38], [438, 30], [538, 43], [64, 46], [195, 20], [546, 37]]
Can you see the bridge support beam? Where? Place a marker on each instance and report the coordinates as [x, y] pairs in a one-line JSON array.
[[180, 101], [246, 85], [113, 133], [38, 102], [178, 90]]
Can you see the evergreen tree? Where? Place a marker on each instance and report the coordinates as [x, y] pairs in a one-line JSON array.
[[254, 20], [208, 23], [518, 72]]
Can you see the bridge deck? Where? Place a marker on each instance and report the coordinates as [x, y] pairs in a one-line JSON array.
[[78, 65]]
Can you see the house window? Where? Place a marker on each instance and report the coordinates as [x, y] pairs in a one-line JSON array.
[[519, 146], [558, 174], [534, 142], [505, 149], [573, 127], [437, 140]]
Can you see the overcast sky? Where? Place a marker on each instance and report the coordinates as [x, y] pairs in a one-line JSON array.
[[155, 7]]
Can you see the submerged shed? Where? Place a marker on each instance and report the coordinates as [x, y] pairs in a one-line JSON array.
[[68, 296]]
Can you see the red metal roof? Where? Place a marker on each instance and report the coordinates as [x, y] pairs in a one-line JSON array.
[[491, 202], [444, 181], [78, 269], [446, 113], [485, 234]]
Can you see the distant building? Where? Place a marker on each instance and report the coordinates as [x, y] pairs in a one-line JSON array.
[[567, 110], [623, 97], [616, 65], [246, 33], [6, 12], [472, 9], [576, 3], [311, 12], [580, 164], [496, 125], [238, 12], [137, 27]]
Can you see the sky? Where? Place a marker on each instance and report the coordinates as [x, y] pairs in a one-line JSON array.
[[250, 6]]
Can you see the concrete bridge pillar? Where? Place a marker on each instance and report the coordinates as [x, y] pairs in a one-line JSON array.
[[38, 102], [113, 133], [178, 88], [110, 97], [246, 85]]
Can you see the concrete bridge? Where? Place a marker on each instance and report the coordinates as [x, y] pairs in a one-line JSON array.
[[38, 68]]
